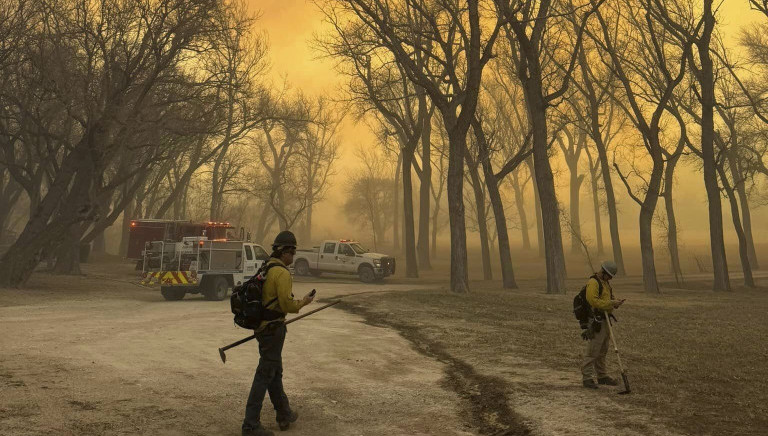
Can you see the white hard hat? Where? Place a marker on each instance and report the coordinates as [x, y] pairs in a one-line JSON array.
[[609, 267]]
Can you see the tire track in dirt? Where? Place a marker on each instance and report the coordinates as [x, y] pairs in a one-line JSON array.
[[486, 404]]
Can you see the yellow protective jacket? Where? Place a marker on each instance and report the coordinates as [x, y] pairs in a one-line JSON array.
[[279, 284], [603, 302]]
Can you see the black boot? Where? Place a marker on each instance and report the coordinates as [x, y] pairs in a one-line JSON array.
[[284, 421], [607, 381], [589, 384], [258, 431]]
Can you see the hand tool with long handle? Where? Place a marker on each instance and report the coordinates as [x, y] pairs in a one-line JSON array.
[[616, 349], [244, 340]]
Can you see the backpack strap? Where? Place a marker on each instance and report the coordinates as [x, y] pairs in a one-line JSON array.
[[266, 267], [599, 285]]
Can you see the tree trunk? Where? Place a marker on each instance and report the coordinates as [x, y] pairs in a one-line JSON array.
[[396, 216], [22, 257], [746, 216], [647, 209], [68, 254], [572, 153], [457, 223], [77, 205], [596, 208], [99, 243], [492, 184], [126, 228], [746, 266], [260, 232], [707, 82], [42, 229], [537, 208], [216, 186], [482, 221], [672, 246], [505, 257], [308, 224], [610, 198], [435, 216], [550, 212], [411, 266], [178, 206], [575, 188], [425, 194], [522, 215]]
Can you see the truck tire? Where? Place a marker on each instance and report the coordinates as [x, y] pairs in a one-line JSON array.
[[366, 274], [172, 294], [217, 289], [302, 268]]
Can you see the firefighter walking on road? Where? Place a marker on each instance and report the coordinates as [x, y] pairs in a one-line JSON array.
[[271, 336], [599, 295]]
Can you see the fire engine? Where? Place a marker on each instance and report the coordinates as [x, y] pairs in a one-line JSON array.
[[199, 265], [142, 231]]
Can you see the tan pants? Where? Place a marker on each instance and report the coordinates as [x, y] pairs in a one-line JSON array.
[[594, 354]]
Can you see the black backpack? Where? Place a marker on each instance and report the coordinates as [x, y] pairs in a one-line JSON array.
[[247, 301], [581, 307]]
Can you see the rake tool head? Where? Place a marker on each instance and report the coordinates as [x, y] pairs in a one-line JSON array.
[[626, 390], [222, 355]]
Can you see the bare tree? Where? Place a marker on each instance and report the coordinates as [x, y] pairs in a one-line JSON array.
[[672, 159], [457, 40], [691, 26], [100, 79], [536, 32], [481, 211], [234, 66], [369, 196], [572, 142], [437, 187], [318, 153], [594, 182], [645, 67], [379, 86]]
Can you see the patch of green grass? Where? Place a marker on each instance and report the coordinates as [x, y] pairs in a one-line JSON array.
[[696, 359]]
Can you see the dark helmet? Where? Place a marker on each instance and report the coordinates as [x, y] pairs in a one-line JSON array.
[[285, 239]]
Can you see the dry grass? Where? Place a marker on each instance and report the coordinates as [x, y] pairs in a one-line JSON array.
[[697, 359]]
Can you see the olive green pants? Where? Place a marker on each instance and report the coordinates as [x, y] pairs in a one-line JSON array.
[[594, 354]]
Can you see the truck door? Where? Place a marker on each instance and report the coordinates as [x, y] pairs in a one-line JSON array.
[[328, 259], [347, 259], [260, 255], [249, 267]]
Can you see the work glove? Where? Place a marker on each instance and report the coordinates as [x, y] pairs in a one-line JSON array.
[[588, 334]]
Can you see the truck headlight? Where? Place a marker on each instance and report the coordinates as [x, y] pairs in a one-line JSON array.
[[377, 263]]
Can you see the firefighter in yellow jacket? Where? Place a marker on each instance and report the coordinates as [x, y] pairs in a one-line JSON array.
[[271, 336], [603, 303]]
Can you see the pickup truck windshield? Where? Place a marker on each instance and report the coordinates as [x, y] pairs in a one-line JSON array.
[[358, 248]]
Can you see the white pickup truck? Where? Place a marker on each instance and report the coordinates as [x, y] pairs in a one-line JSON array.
[[343, 257]]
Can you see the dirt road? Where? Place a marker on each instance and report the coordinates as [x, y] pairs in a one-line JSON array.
[[98, 356]]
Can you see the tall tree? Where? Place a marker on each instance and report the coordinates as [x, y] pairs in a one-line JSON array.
[[457, 38], [534, 33], [691, 26]]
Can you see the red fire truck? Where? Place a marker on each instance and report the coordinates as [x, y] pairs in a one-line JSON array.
[[149, 230]]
